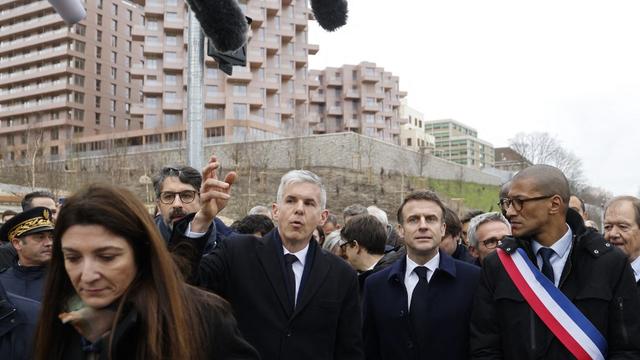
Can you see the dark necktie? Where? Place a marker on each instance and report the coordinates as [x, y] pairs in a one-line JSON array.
[[547, 269], [418, 310], [289, 259]]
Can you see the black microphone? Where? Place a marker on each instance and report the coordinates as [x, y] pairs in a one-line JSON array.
[[222, 21], [330, 14], [71, 11]]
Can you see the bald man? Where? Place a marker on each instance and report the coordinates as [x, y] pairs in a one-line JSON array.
[[563, 255]]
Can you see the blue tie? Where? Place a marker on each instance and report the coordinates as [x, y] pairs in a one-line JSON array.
[[547, 269], [289, 259], [419, 311]]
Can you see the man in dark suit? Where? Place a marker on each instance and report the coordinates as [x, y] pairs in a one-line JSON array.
[[419, 307], [622, 229], [292, 299]]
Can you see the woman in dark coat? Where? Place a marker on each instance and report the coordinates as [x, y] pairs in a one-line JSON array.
[[113, 291]]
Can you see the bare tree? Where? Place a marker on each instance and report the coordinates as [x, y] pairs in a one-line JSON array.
[[542, 148]]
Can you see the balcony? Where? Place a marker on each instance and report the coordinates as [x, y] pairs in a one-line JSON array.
[[152, 87], [174, 24], [154, 8], [217, 98], [272, 7], [370, 107], [352, 94], [286, 32], [335, 110], [254, 57], [300, 57], [138, 32], [174, 64], [300, 95], [137, 109], [153, 48], [313, 48], [334, 81], [368, 77], [314, 118], [300, 21], [256, 14], [173, 104], [255, 101], [240, 76], [316, 97]]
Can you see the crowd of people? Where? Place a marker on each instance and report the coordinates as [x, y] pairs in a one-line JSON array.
[[98, 277]]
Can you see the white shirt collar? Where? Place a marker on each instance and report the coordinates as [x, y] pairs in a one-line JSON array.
[[301, 255], [432, 265], [560, 247], [635, 265]]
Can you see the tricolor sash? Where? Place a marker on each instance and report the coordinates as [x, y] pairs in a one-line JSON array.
[[557, 312]]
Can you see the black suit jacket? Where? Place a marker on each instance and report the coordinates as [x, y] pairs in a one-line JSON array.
[[249, 273]]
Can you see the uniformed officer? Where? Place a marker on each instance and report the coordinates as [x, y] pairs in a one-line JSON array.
[[30, 233]]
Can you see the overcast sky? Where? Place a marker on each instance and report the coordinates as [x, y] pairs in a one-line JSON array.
[[569, 68]]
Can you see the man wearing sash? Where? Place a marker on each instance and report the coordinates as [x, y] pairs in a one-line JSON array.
[[556, 290]]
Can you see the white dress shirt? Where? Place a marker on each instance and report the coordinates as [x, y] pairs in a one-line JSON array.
[[298, 266], [561, 250], [411, 278]]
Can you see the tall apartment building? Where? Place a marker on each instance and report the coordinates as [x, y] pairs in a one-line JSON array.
[[266, 99], [59, 84], [361, 98], [459, 143], [412, 134]]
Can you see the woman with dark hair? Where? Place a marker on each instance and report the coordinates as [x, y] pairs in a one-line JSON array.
[[114, 292]]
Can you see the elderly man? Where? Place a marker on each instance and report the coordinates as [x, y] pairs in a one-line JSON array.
[[555, 290], [419, 307], [30, 233], [622, 229], [292, 299], [485, 233]]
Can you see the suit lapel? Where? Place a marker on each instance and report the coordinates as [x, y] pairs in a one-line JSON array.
[[316, 271], [267, 250]]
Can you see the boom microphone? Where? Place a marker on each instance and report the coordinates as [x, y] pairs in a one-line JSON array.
[[71, 11], [222, 21], [330, 14]]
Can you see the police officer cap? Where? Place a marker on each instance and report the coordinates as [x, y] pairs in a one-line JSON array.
[[28, 222]]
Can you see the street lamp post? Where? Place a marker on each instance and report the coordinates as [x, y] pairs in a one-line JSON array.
[[195, 84]]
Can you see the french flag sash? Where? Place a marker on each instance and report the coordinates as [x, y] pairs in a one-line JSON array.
[[557, 312]]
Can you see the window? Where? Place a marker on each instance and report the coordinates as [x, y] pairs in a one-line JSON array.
[[114, 41], [78, 80], [129, 15], [212, 90], [112, 105], [10, 140], [114, 25], [127, 123], [114, 9], [212, 73], [98, 52], [127, 77], [54, 134], [239, 90], [80, 29], [127, 108], [98, 100], [171, 16], [114, 73], [171, 40], [113, 89], [98, 72], [152, 24], [78, 114], [112, 121], [127, 61], [171, 120], [79, 46], [170, 79], [98, 35], [151, 102], [78, 97], [152, 63], [240, 111], [170, 97], [99, 20], [99, 4], [127, 93], [129, 30], [128, 42], [114, 57], [213, 114], [170, 56]]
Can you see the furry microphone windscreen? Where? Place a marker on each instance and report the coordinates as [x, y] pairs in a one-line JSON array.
[[330, 14], [222, 21]]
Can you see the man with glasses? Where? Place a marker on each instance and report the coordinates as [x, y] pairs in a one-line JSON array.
[[177, 190], [555, 290], [485, 232]]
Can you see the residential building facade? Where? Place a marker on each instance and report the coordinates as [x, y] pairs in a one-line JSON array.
[[510, 160], [412, 134], [459, 143], [59, 84], [360, 98]]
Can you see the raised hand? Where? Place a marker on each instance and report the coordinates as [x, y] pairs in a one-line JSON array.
[[214, 195]]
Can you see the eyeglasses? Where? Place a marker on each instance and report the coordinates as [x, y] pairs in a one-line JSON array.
[[517, 203], [168, 197], [343, 246], [491, 243]]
